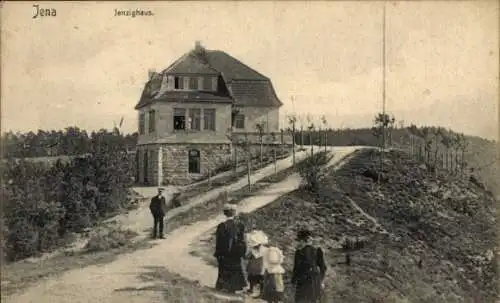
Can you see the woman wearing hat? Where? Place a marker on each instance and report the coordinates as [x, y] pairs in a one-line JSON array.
[[308, 270], [230, 248]]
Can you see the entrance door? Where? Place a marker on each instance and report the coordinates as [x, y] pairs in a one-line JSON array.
[[145, 167]]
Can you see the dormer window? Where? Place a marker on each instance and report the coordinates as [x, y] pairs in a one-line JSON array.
[[193, 83], [178, 83], [207, 83], [214, 83]]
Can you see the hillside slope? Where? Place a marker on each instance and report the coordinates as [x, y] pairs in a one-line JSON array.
[[427, 238], [480, 153]]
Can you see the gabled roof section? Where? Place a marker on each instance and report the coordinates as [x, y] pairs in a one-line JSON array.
[[238, 81], [254, 93], [190, 63], [232, 68]]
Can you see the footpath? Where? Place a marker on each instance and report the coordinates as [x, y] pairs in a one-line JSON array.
[[103, 283]]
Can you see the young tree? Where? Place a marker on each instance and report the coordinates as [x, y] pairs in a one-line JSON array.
[[427, 137], [292, 120], [310, 129], [437, 139], [260, 129], [245, 145], [464, 144], [325, 124], [447, 142], [381, 123]]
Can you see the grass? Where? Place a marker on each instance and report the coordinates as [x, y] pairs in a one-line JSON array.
[[204, 187], [177, 289], [424, 257], [108, 242]]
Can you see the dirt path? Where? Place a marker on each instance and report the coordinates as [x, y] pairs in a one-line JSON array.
[[107, 283]]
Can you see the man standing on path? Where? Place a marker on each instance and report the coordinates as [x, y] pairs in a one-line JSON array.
[[158, 207]]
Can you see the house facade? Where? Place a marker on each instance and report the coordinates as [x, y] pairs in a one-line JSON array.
[[192, 113]]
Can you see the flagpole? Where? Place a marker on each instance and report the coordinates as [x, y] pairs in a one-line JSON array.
[[383, 90]]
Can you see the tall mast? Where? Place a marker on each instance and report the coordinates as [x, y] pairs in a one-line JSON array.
[[383, 92]]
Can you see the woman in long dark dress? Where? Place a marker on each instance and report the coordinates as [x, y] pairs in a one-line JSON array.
[[229, 250], [308, 270]]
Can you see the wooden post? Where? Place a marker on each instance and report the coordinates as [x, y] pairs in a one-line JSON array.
[[293, 142], [249, 172], [275, 161], [209, 178], [160, 166]]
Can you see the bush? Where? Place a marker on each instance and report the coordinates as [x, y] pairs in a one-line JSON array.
[[107, 238], [312, 170], [42, 205]]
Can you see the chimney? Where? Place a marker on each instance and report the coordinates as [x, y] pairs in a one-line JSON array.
[[197, 45], [151, 73]]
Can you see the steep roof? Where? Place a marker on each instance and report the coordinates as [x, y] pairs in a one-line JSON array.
[[247, 86], [253, 93]]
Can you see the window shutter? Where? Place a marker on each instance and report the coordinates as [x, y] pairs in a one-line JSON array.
[[171, 82], [214, 83]]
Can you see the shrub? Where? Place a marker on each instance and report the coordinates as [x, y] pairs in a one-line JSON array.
[[106, 238], [42, 205], [313, 170]]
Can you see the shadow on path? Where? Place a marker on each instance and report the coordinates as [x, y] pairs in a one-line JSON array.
[[175, 288]]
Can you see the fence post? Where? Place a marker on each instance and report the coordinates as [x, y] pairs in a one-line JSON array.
[[160, 166]]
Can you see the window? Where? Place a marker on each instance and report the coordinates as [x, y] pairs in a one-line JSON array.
[[209, 119], [239, 121], [200, 83], [142, 123], [194, 161], [214, 83], [186, 82], [145, 167], [152, 121], [195, 118], [178, 83], [193, 83], [179, 118], [207, 83]]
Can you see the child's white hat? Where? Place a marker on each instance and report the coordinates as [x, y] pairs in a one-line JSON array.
[[256, 237], [274, 259]]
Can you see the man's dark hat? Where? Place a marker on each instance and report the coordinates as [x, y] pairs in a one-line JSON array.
[[304, 234]]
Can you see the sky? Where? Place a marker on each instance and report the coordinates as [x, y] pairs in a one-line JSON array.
[[87, 67]]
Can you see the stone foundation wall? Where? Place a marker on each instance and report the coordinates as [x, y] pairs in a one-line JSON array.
[[176, 161]]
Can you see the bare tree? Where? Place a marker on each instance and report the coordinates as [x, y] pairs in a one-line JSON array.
[[292, 120], [381, 123], [456, 143], [310, 129], [325, 124], [427, 136], [245, 144], [464, 144], [260, 129], [437, 140]]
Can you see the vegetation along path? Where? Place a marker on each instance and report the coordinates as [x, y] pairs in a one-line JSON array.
[[123, 279]]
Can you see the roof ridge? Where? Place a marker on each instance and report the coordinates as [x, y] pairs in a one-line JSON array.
[[239, 61]]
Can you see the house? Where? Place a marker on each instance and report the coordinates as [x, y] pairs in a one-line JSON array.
[[192, 112]]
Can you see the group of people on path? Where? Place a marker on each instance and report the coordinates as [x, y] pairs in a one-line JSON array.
[[263, 275], [264, 263]]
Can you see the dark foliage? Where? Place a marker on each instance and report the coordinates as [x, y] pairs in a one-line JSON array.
[[69, 142], [43, 204], [312, 170]]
